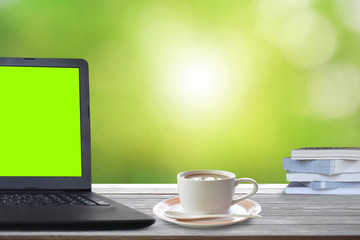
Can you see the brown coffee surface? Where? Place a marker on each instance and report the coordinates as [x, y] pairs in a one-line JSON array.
[[206, 176]]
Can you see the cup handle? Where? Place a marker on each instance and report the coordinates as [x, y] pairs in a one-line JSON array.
[[240, 180]]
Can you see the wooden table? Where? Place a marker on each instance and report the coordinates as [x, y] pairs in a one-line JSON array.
[[284, 216]]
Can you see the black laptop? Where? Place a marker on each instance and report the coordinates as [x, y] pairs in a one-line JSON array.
[[45, 170]]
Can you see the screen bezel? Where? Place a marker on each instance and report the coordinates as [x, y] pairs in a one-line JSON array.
[[59, 183]]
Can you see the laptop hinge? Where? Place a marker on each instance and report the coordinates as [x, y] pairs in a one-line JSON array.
[[63, 190], [76, 190]]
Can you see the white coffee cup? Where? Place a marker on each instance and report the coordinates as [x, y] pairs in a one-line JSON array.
[[210, 191]]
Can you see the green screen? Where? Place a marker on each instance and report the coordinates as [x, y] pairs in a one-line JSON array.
[[40, 122]]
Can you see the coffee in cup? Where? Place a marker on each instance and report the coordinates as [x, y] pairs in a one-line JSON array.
[[205, 176], [210, 191]]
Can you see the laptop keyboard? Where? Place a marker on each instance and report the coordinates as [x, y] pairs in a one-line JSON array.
[[49, 199]]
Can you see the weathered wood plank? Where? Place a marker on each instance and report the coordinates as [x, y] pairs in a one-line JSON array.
[[168, 189], [175, 231], [284, 216], [315, 207], [269, 198], [284, 203], [145, 187], [278, 211], [303, 220]]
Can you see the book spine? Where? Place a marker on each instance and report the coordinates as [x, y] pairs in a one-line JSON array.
[[337, 191], [325, 153], [331, 185], [301, 188], [345, 177], [310, 166], [304, 158]]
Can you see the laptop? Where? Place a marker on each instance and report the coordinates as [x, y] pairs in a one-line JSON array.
[[45, 170]]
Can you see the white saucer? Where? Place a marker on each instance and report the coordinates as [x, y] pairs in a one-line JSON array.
[[246, 206]]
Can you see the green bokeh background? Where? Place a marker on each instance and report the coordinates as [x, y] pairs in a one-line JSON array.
[[289, 79]]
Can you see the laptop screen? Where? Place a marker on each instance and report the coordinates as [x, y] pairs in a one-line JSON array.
[[40, 122]]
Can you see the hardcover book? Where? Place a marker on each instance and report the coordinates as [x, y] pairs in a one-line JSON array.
[[352, 153], [328, 167], [302, 188], [332, 185], [308, 177]]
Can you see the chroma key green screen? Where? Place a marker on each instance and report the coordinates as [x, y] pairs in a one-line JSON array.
[[40, 132]]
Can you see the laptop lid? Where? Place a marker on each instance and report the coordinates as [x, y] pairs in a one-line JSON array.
[[44, 124]]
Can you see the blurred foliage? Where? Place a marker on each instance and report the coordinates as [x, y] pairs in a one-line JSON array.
[[288, 78]]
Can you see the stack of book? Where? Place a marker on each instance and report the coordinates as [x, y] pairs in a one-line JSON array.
[[323, 171]]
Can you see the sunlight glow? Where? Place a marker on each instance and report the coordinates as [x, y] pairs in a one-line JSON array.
[[199, 80]]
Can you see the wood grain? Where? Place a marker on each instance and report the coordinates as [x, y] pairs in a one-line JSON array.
[[284, 216]]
